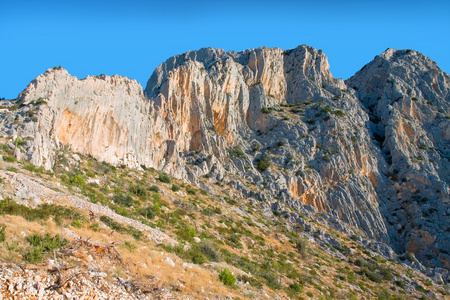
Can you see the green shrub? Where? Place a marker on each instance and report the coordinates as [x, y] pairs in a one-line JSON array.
[[157, 207], [138, 191], [263, 164], [77, 180], [76, 223], [121, 228], [197, 257], [256, 147], [266, 110], [2, 233], [400, 284], [338, 113], [175, 187], [294, 289], [95, 227], [34, 255], [187, 233], [129, 246], [410, 256], [154, 188], [124, 200], [372, 275], [271, 280], [236, 152], [190, 190], [387, 274], [41, 212], [301, 245], [7, 158], [163, 177], [47, 242], [227, 277], [148, 212], [41, 245]]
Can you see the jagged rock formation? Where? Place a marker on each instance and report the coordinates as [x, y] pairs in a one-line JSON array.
[[407, 98], [219, 114]]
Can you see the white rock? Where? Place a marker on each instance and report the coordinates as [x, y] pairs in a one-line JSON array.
[[169, 261]]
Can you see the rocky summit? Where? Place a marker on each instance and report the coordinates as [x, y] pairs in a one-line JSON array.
[[367, 157]]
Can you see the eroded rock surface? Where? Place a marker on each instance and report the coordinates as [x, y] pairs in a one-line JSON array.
[[407, 98]]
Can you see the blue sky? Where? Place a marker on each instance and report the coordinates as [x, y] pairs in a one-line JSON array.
[[132, 38]]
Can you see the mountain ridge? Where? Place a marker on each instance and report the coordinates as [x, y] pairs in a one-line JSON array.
[[330, 144]]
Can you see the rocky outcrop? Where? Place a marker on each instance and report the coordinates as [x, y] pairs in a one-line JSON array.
[[407, 98], [212, 95], [103, 116], [359, 151]]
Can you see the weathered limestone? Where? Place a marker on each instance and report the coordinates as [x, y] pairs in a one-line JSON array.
[[368, 151]]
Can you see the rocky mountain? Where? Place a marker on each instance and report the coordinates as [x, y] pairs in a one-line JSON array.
[[274, 125]]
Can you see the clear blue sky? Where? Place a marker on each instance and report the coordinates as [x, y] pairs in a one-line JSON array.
[[132, 38]]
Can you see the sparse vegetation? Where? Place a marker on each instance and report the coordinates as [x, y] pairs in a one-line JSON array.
[[208, 230], [263, 163], [266, 110], [42, 244]]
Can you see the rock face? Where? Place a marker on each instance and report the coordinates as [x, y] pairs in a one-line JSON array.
[[273, 124], [106, 117], [407, 98]]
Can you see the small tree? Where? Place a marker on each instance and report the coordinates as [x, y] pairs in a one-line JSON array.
[[227, 277]]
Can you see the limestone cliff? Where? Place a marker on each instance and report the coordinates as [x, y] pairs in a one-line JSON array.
[[407, 98], [274, 125]]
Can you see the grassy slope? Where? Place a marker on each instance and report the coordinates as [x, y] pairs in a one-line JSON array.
[[263, 250]]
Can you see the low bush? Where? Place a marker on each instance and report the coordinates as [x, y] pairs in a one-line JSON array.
[[294, 289], [124, 200], [227, 277], [7, 158], [197, 257], [41, 212], [263, 163], [372, 275], [266, 110], [190, 190], [2, 233], [236, 152], [138, 191], [42, 245], [175, 187], [121, 228], [147, 212], [154, 188], [209, 250], [251, 280], [163, 177], [301, 245], [77, 180], [187, 233]]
